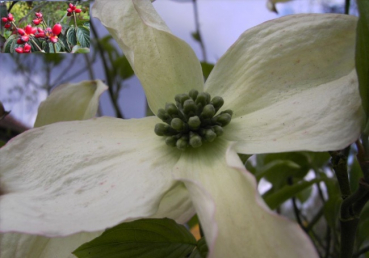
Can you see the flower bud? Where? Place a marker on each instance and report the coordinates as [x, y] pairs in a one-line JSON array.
[[171, 109], [193, 94], [218, 130], [177, 124], [181, 144], [195, 140], [210, 135], [189, 107], [194, 122], [171, 141], [163, 115], [217, 102], [181, 98], [222, 119], [208, 111], [164, 130]]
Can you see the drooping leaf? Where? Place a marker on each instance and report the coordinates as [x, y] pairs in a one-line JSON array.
[[146, 238], [123, 68], [362, 53], [287, 192]]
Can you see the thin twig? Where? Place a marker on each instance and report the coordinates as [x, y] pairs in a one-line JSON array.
[[198, 33]]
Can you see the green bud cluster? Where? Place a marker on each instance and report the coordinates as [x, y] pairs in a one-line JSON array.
[[193, 120]]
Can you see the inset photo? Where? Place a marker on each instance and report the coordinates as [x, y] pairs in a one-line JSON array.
[[45, 27]]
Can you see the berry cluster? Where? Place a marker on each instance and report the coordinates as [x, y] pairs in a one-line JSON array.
[[26, 49], [38, 19], [72, 10], [8, 21], [26, 34]]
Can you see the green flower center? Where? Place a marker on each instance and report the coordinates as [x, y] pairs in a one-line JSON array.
[[193, 120]]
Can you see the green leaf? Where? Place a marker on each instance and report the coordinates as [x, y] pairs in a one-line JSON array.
[[362, 53], [146, 238], [71, 36], [201, 250], [63, 39], [123, 68], [8, 44], [80, 50], [83, 36], [206, 69], [193, 221], [49, 48], [287, 192]]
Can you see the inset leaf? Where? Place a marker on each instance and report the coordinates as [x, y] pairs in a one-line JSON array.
[[9, 43], [80, 50], [83, 36], [71, 36]]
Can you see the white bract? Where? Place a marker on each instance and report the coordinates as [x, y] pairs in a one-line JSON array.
[[291, 84]]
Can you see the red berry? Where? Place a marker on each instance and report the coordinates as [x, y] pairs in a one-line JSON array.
[[10, 17], [71, 5], [19, 50], [36, 21], [54, 39], [57, 29], [38, 15], [40, 30], [7, 26], [21, 32], [69, 10], [78, 10], [40, 35], [73, 8], [34, 30], [25, 38], [4, 19], [19, 41], [28, 29], [69, 14], [27, 48]]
